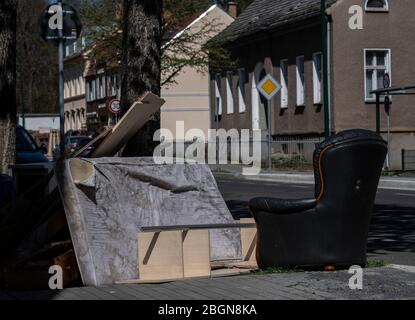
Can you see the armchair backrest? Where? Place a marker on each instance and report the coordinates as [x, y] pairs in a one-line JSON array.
[[347, 169]]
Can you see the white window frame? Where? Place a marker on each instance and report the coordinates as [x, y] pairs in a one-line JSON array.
[[317, 80], [388, 69], [229, 93], [94, 89], [372, 9], [241, 91], [300, 87], [218, 95], [82, 84], [284, 66], [101, 87]]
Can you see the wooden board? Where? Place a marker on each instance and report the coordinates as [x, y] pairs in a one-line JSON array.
[[160, 255], [135, 118], [196, 253], [221, 273], [248, 240]]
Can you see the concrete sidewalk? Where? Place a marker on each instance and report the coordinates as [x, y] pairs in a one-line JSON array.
[[306, 177], [391, 282]]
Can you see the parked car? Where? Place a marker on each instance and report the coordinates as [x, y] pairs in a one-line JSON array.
[[74, 142], [87, 151], [27, 151]]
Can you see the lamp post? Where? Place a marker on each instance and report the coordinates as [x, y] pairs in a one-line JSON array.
[[59, 25], [61, 58], [326, 106]]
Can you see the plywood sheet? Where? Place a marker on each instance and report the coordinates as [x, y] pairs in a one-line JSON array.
[[248, 241], [160, 255], [196, 253], [135, 118]]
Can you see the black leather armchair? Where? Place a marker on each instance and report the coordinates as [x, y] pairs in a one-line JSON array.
[[332, 228]]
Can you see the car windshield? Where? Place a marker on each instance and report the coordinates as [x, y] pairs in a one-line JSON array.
[[24, 142]]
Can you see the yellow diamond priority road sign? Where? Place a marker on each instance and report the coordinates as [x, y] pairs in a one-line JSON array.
[[269, 87]]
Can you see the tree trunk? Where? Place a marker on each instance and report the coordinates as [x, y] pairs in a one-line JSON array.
[[141, 63], [8, 15]]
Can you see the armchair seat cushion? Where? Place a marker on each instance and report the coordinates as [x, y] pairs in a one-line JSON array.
[[281, 206]]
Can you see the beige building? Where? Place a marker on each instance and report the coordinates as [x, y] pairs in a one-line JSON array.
[[187, 100], [75, 99]]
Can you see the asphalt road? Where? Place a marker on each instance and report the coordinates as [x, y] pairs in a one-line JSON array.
[[392, 232]]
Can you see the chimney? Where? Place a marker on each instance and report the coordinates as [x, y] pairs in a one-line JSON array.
[[233, 9]]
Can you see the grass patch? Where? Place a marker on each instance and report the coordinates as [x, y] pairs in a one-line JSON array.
[[279, 270], [375, 263], [370, 263], [293, 162]]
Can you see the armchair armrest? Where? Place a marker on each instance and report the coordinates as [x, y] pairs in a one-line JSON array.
[[281, 206]]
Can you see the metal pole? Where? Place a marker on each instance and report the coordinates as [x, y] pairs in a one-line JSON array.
[[61, 92], [377, 113], [21, 71], [324, 33], [388, 138], [269, 136]]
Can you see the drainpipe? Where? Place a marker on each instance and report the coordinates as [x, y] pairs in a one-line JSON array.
[[326, 102]]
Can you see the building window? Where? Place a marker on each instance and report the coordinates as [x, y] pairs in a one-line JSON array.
[[377, 64], [114, 85], [101, 87], [377, 5], [91, 90], [218, 95], [317, 77], [241, 90], [300, 81], [229, 93], [70, 89], [284, 83], [76, 87], [82, 84]]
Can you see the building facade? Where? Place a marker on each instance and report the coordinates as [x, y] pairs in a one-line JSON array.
[[187, 99], [102, 86], [367, 39], [76, 64]]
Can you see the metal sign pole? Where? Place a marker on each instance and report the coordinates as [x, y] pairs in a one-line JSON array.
[[61, 92], [59, 25], [388, 138], [269, 87], [269, 136]]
